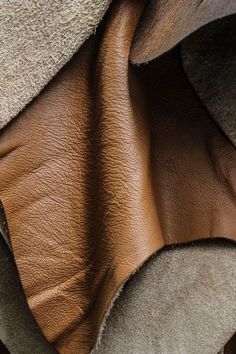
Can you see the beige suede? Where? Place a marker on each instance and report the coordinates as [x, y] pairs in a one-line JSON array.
[[18, 329], [36, 39], [35, 44], [180, 302]]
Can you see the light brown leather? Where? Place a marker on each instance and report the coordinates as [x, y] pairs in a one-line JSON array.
[[106, 166]]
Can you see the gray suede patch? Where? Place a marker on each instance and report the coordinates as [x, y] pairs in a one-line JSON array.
[[18, 329], [209, 59], [180, 302]]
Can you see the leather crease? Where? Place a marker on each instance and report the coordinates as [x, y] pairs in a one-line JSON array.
[[122, 165]]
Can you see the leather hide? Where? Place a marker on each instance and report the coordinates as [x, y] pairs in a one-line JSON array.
[[110, 163]]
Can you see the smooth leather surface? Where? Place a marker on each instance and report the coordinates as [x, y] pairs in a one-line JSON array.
[[106, 166]]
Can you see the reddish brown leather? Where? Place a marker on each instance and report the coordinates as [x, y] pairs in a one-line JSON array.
[[107, 165]]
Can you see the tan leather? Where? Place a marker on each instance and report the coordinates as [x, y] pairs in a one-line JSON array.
[[106, 166]]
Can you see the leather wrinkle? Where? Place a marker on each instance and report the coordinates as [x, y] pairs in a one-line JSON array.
[[115, 161]]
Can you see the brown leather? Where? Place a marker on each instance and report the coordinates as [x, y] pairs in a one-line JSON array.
[[165, 23], [106, 166]]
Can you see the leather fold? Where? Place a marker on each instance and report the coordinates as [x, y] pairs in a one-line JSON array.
[[106, 166], [165, 23]]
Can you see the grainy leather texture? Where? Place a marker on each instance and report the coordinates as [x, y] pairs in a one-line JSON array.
[[106, 166]]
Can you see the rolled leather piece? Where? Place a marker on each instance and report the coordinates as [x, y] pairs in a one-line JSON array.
[[109, 163]]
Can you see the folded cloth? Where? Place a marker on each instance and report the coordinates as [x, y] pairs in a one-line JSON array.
[[194, 283], [38, 37], [196, 279], [107, 165]]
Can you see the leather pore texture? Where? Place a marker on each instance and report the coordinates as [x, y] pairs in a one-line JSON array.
[[106, 166]]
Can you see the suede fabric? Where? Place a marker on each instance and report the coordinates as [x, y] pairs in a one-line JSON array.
[[41, 172], [211, 70], [206, 315], [209, 59], [182, 301], [18, 329], [130, 300], [36, 39], [230, 347]]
